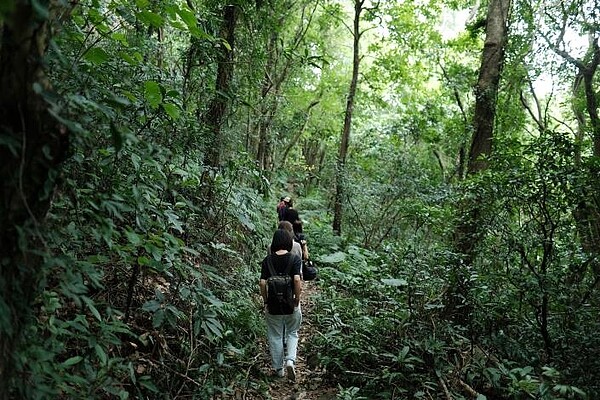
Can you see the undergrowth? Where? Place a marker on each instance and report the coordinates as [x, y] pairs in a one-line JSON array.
[[384, 331]]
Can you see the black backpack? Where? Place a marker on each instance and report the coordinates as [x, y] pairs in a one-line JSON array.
[[309, 270], [280, 290]]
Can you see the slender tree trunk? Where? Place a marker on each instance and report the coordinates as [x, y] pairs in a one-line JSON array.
[[294, 141], [218, 106], [486, 92], [33, 145], [467, 231], [340, 183], [276, 72], [266, 110], [587, 214], [580, 117]]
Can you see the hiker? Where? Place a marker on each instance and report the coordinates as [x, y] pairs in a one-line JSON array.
[[282, 207], [291, 215], [283, 320], [296, 246]]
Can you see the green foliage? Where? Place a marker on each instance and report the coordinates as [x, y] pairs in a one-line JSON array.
[[349, 394], [147, 290], [148, 284], [382, 315], [391, 333]]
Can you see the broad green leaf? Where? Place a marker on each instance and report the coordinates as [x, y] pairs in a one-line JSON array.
[[92, 307], [247, 222], [226, 44], [154, 250], [158, 318], [172, 110], [174, 220], [150, 18], [71, 361], [127, 58], [130, 96], [152, 93], [188, 17], [96, 55], [199, 33], [136, 161], [151, 306], [143, 261], [213, 328], [333, 258], [133, 237], [395, 282], [404, 352], [146, 382], [120, 37], [101, 354]]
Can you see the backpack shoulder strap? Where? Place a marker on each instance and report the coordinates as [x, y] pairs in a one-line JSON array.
[[270, 265]]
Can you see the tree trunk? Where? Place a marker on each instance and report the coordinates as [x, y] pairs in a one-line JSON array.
[[486, 90], [467, 231], [587, 213], [216, 111], [266, 109], [294, 141], [276, 73], [32, 147], [340, 183], [485, 112]]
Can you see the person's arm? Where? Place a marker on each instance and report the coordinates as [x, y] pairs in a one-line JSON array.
[[297, 279], [262, 283], [304, 250], [297, 289], [263, 289]]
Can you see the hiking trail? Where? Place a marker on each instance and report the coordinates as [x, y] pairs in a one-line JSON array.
[[310, 383]]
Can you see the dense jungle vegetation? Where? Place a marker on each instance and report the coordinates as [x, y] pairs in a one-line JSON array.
[[444, 156]]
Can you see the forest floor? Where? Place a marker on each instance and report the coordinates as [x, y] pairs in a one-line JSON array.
[[310, 381]]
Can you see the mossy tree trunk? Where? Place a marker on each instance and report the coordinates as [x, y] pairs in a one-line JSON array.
[[32, 145], [340, 172], [467, 231], [213, 119]]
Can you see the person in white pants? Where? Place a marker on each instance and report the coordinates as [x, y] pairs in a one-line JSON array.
[[282, 324]]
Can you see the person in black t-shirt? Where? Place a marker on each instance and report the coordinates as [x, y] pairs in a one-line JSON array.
[[291, 215], [283, 327]]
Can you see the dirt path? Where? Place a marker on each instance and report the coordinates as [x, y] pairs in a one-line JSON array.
[[309, 384]]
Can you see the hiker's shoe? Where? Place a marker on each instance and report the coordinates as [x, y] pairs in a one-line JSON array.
[[291, 371], [280, 372]]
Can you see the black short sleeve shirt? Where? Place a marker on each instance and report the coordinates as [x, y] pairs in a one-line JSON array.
[[280, 263]]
